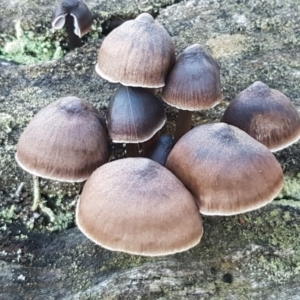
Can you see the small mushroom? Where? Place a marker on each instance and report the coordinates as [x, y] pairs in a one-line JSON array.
[[77, 18], [138, 53], [226, 170], [134, 115], [65, 141], [265, 114], [193, 84], [137, 206]]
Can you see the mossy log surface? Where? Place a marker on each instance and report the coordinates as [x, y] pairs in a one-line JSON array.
[[250, 256]]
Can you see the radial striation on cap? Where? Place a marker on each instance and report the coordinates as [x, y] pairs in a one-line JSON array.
[[134, 115], [66, 141], [194, 82], [139, 52], [226, 170], [137, 206], [265, 114]]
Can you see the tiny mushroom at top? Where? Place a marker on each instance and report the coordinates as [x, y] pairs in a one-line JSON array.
[[77, 18]]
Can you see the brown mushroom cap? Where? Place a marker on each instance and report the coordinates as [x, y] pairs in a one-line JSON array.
[[265, 114], [194, 82], [134, 115], [83, 18], [227, 171], [139, 52], [65, 141], [135, 205]]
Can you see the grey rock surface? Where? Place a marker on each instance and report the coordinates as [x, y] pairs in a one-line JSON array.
[[251, 256]]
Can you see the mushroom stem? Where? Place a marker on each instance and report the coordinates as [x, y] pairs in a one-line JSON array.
[[132, 150], [183, 123], [36, 193], [37, 203], [160, 151], [150, 144], [74, 40]]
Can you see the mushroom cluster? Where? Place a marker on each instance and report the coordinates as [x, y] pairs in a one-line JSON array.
[[139, 55], [226, 170], [152, 205]]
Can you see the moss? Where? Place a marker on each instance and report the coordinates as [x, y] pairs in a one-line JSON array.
[[64, 212], [126, 261], [291, 189], [28, 47], [56, 214], [7, 215], [6, 122]]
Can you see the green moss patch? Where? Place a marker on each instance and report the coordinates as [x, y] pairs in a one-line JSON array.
[[291, 189], [29, 48]]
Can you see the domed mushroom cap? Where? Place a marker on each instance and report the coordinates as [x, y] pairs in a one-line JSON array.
[[265, 114], [134, 115], [65, 141], [194, 82], [137, 206], [139, 52], [228, 171], [83, 18]]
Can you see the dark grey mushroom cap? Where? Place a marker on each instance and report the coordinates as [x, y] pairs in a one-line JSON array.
[[194, 82], [83, 18], [134, 115], [138, 53], [227, 170], [66, 141], [265, 114], [137, 206]]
